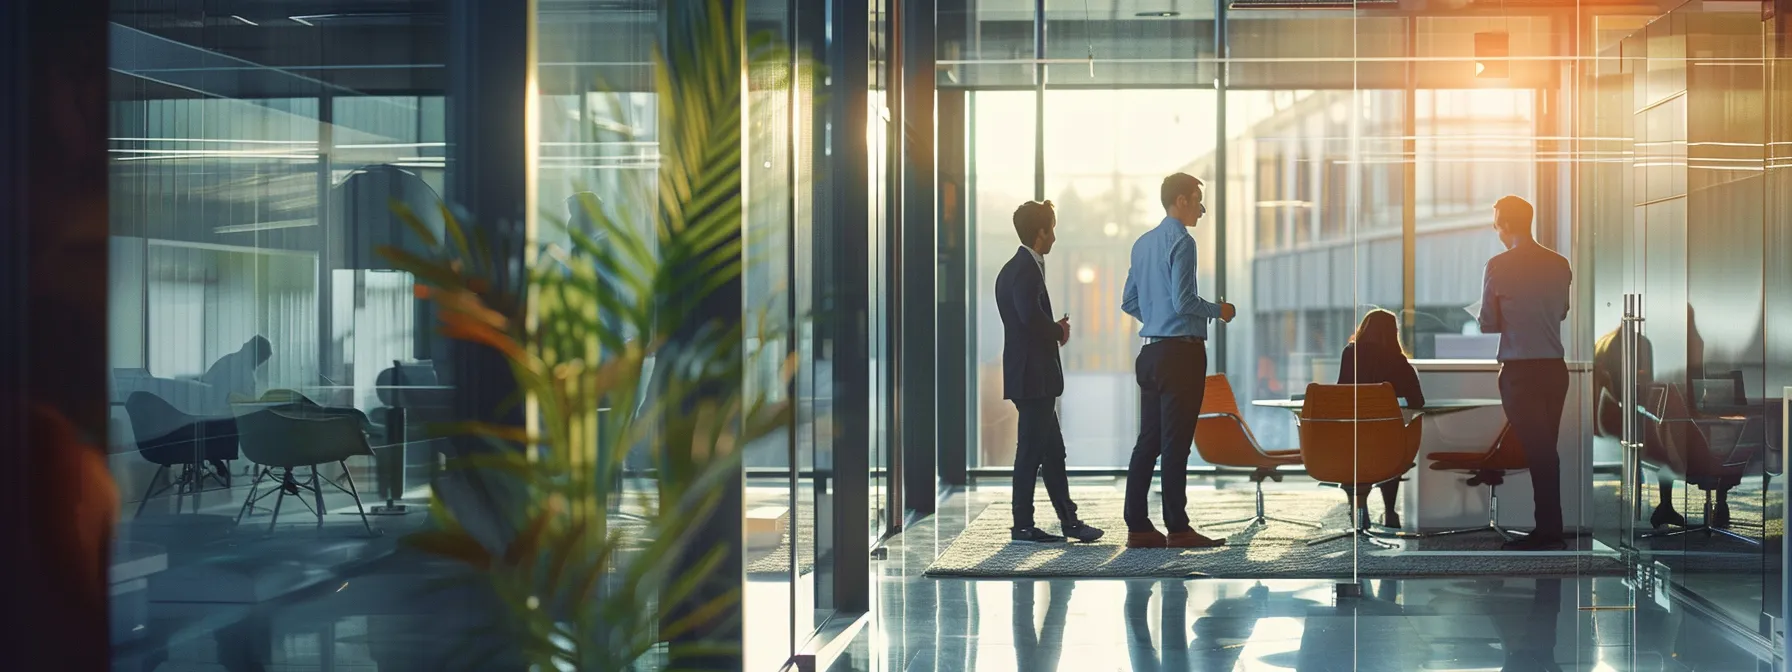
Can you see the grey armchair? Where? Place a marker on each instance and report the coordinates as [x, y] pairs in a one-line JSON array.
[[282, 439]]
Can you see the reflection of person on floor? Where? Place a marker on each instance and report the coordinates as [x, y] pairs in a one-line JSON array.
[[1220, 634], [1139, 645], [1375, 355], [1530, 644], [1033, 377], [1525, 299], [1041, 650]]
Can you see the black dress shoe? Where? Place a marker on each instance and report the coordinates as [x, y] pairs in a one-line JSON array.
[[1081, 532], [1033, 534], [1536, 542], [1666, 515]]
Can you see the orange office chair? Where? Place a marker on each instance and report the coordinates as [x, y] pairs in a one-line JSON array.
[[1490, 469], [1224, 440], [1355, 437]]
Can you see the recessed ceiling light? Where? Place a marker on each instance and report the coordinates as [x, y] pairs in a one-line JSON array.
[[1159, 15]]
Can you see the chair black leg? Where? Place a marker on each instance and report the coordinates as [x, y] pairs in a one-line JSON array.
[[355, 493], [151, 491], [317, 493], [249, 499], [285, 479]]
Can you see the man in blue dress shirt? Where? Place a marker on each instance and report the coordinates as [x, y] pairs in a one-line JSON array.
[[1524, 299], [1161, 293]]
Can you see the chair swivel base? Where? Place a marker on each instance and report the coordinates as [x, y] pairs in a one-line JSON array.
[[1358, 533], [1707, 529], [1262, 517], [1253, 521], [1506, 533]]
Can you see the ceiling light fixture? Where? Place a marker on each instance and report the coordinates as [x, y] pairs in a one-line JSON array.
[[246, 21], [1159, 15]]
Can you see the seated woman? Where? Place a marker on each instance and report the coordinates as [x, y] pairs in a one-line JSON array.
[[1375, 355]]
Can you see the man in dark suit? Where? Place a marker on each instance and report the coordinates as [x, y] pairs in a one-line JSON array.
[[1032, 376]]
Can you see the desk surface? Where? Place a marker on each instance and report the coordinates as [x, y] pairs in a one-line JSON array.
[[1431, 405]]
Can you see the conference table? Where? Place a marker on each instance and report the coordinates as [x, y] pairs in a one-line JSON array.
[[1434, 500], [1431, 407]]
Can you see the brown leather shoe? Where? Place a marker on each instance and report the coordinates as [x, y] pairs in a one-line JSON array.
[[1152, 539], [1192, 539]]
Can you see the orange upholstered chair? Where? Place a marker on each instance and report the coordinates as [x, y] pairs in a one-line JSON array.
[[1490, 469], [1355, 437], [1224, 440]]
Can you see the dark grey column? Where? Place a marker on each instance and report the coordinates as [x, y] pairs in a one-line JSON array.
[[53, 370], [487, 183], [488, 164], [920, 261], [844, 307]]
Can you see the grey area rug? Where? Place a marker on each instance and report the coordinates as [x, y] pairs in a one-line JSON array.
[[1278, 550]]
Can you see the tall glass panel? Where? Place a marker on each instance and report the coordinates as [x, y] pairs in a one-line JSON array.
[[1002, 126], [772, 527], [1777, 315], [1726, 367], [255, 161], [882, 191]]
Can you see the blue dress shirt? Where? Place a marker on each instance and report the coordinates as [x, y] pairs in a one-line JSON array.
[[1524, 299], [1161, 290]]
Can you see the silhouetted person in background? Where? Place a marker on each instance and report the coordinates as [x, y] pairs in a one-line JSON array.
[[1033, 377], [1375, 355], [233, 376], [235, 373], [1524, 299]]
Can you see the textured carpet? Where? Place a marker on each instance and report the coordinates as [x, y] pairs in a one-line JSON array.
[[768, 563], [1276, 551], [776, 561]]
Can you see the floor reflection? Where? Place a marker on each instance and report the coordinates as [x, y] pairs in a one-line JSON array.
[[396, 618]]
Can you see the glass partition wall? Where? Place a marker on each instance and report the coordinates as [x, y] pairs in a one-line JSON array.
[[1353, 155], [1678, 183]]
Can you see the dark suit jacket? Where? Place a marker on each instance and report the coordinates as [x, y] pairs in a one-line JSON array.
[[1030, 366], [1382, 367]]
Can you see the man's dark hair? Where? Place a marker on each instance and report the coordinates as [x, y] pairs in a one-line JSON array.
[[262, 348], [1179, 184], [1031, 218], [1517, 210]]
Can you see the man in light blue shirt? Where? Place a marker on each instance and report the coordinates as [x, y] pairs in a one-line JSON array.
[[1161, 293], [1524, 299]]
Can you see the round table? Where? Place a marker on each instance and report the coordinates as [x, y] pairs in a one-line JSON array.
[[1431, 407]]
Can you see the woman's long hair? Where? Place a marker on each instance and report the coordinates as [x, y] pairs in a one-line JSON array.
[[1379, 331]]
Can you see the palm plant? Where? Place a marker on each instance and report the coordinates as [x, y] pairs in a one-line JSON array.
[[655, 376]]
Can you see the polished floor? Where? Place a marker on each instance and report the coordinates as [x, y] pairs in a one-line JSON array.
[[391, 617], [1509, 624]]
